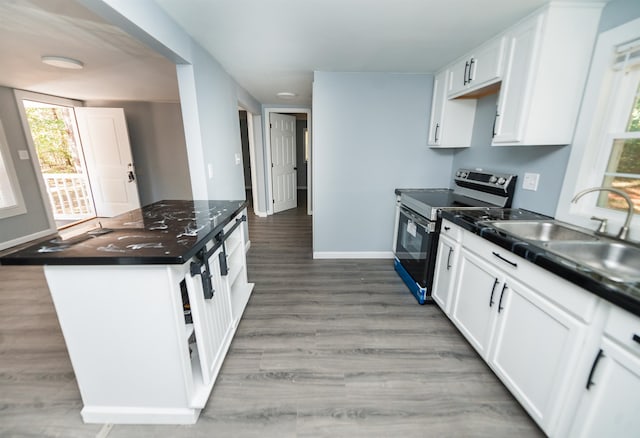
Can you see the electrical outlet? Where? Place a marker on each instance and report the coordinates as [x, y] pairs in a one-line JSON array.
[[23, 154], [530, 181], [238, 159]]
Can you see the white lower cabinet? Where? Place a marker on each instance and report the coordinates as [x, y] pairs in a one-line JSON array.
[[476, 294], [531, 344], [446, 265], [610, 402], [534, 350]]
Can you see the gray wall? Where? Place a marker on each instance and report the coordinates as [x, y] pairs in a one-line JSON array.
[[618, 12], [35, 219], [548, 161], [369, 137], [156, 134]]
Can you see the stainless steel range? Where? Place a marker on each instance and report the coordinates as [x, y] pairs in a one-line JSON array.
[[418, 223]]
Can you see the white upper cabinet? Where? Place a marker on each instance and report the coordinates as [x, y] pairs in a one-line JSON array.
[[451, 120], [538, 66], [547, 62], [477, 70]]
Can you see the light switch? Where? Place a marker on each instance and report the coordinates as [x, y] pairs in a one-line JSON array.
[[530, 181], [210, 170], [23, 154]]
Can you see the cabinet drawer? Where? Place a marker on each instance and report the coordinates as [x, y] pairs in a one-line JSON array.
[[624, 328], [571, 298], [451, 230]]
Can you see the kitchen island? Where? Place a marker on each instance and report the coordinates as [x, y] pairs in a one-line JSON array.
[[148, 304]]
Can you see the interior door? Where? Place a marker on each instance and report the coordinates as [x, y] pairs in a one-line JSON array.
[[105, 139], [283, 161]]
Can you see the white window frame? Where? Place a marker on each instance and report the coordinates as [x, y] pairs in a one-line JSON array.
[[592, 142], [11, 181]]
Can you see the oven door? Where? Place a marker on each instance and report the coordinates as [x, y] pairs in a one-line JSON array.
[[416, 242]]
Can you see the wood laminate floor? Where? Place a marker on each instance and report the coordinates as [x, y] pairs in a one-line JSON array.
[[326, 348]]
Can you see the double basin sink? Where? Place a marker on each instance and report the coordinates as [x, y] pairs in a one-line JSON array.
[[614, 259]]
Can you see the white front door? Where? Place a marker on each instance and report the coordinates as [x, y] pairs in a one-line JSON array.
[[283, 161], [105, 139]]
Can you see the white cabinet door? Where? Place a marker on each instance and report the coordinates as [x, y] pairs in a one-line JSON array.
[[437, 105], [211, 318], [476, 295], [446, 263], [513, 93], [451, 121], [458, 77], [534, 350], [610, 405], [485, 67], [481, 68], [548, 58]]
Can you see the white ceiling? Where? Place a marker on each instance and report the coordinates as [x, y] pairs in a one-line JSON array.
[[116, 66], [275, 45], [266, 45]]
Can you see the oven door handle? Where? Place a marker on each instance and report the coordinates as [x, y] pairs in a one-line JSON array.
[[429, 226]]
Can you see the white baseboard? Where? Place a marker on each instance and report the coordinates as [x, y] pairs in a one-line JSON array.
[[247, 246], [135, 415], [25, 239], [260, 213], [352, 254]]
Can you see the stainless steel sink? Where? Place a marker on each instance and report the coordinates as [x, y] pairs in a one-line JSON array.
[[544, 231], [616, 260]]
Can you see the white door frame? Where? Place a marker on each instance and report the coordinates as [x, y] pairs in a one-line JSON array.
[[52, 100], [252, 157], [267, 142]]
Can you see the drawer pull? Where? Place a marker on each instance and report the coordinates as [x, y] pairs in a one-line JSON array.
[[636, 338], [504, 286], [447, 228], [590, 382], [493, 289], [515, 265]]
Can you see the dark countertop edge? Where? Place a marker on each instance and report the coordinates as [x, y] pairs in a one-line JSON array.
[[614, 292], [126, 260]]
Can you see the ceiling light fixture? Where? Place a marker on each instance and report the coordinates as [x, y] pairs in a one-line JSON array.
[[286, 95], [62, 62]]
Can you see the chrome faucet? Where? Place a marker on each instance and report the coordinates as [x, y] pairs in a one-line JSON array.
[[624, 230]]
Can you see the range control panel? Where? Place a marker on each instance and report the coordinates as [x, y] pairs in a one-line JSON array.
[[484, 178]]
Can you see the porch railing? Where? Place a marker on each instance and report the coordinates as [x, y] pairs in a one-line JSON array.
[[69, 195]]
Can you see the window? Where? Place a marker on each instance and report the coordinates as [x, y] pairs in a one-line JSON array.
[[622, 140], [606, 147], [11, 202]]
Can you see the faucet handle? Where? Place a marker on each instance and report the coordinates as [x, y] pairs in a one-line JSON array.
[[602, 228]]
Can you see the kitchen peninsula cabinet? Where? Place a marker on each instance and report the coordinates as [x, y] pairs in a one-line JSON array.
[[148, 306]]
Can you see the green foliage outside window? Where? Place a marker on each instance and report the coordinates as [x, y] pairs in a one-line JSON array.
[[53, 139]]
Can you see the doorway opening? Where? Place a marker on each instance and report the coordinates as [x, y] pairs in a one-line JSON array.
[[61, 160], [301, 181]]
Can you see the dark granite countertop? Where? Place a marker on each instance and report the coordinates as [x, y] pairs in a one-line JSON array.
[[623, 294], [165, 232]]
